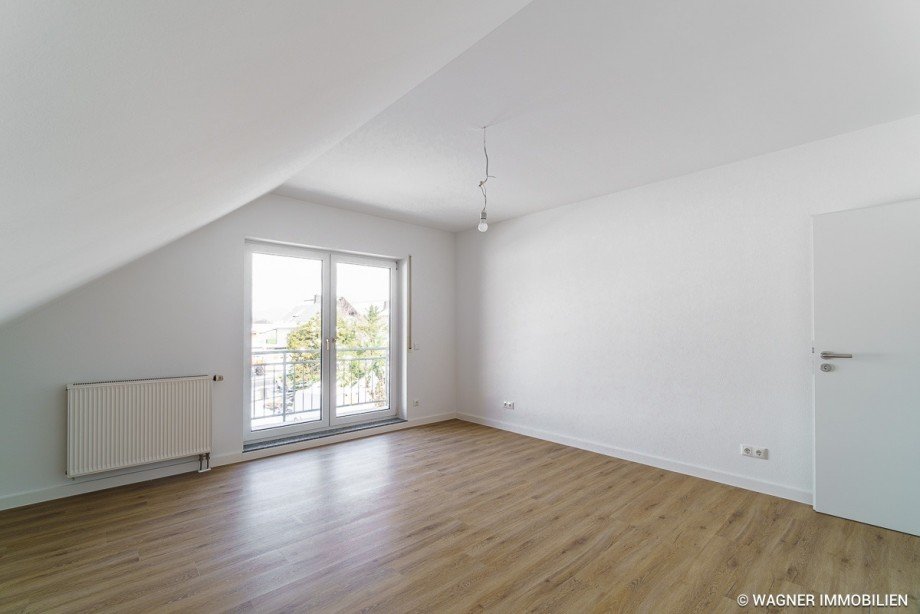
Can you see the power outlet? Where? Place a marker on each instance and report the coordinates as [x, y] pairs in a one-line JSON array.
[[761, 453], [415, 403], [508, 404]]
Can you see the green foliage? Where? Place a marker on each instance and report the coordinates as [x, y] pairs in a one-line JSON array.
[[307, 336], [375, 330], [368, 330]]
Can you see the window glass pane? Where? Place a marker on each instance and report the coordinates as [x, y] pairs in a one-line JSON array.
[[362, 339], [286, 333]]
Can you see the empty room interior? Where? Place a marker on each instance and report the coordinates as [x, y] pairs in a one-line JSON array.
[[459, 306]]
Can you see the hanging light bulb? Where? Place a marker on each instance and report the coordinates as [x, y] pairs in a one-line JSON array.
[[483, 224]]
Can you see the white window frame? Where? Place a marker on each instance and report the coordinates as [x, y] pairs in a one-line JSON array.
[[393, 377], [329, 258]]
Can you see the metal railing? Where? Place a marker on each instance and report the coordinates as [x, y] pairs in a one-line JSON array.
[[286, 385]]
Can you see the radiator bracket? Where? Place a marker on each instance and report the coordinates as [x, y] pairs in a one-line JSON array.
[[204, 462]]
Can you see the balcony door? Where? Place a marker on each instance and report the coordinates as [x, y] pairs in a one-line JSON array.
[[321, 341]]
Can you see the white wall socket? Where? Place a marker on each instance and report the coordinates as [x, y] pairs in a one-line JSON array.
[[415, 403], [508, 404], [761, 453]]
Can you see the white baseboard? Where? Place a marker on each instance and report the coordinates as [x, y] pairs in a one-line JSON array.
[[76, 488], [151, 473], [69, 489], [714, 475]]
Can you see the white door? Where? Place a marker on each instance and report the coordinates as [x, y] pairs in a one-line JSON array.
[[867, 407], [362, 351], [289, 318], [321, 347]]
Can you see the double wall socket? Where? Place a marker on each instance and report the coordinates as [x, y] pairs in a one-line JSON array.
[[761, 453], [508, 404]]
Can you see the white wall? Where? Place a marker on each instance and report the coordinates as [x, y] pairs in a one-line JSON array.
[[179, 311], [666, 324], [672, 322]]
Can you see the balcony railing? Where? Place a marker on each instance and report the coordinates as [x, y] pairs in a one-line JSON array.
[[287, 384]]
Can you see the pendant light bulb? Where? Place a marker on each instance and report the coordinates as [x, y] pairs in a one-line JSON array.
[[483, 224]]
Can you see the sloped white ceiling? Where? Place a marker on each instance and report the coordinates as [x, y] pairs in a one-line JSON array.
[[588, 97], [127, 123]]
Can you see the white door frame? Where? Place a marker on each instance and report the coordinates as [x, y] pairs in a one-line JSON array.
[[393, 379], [329, 259]]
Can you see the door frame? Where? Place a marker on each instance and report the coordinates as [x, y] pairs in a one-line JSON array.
[[393, 379], [329, 258]]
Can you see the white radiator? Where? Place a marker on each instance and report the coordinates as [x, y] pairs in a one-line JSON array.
[[113, 425]]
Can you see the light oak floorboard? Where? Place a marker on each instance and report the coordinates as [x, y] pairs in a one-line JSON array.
[[451, 517]]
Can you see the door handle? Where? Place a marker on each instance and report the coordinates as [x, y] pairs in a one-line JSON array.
[[827, 355], [329, 343]]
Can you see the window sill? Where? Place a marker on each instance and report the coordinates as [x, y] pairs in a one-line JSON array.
[[339, 430]]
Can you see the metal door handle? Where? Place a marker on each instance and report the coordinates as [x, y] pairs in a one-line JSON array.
[[827, 355]]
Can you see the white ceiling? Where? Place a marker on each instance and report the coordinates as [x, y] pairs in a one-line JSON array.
[[588, 97], [125, 124]]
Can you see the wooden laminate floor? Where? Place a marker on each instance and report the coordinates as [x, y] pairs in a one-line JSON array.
[[442, 518]]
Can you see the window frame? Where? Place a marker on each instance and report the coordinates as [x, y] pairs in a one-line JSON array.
[[328, 419]]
